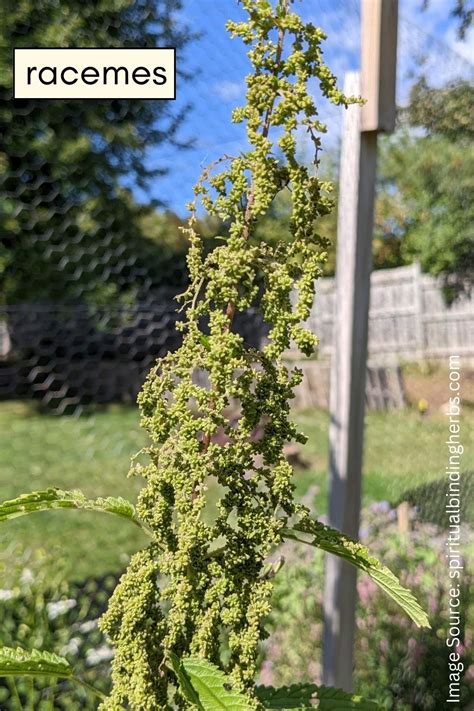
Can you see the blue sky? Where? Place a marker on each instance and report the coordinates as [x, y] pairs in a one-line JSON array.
[[219, 65]]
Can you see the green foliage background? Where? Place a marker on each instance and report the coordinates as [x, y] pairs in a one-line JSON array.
[[425, 207], [69, 228]]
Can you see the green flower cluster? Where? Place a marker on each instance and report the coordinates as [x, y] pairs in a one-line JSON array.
[[203, 583]]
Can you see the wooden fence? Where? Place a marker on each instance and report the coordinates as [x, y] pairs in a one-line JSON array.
[[409, 319]]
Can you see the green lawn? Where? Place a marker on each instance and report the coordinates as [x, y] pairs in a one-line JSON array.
[[93, 453], [90, 453], [402, 450]]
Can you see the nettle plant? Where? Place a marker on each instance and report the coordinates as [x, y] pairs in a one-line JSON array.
[[187, 617]]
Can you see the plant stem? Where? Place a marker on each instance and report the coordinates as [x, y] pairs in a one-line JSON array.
[[31, 694], [14, 693], [89, 687], [230, 309], [54, 681]]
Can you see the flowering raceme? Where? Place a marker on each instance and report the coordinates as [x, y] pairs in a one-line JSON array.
[[212, 574]]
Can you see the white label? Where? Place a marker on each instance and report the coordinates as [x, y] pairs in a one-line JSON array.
[[94, 73]]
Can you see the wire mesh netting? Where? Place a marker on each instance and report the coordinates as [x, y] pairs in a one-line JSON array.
[[89, 271]]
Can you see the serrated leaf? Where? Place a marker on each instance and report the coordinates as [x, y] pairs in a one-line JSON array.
[[36, 663], [332, 541], [212, 686], [184, 681], [58, 499], [296, 696], [18, 662], [303, 696]]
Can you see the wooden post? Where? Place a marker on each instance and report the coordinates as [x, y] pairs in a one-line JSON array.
[[403, 517], [348, 377], [379, 64], [349, 360]]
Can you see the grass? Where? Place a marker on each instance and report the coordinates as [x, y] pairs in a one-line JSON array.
[[93, 453], [89, 453], [402, 450]]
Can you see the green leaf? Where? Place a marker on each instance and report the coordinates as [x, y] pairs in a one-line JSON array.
[[18, 662], [332, 541], [213, 688], [184, 681], [205, 340], [59, 499], [36, 663], [303, 696]]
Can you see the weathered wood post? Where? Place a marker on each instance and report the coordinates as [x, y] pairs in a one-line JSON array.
[[349, 360]]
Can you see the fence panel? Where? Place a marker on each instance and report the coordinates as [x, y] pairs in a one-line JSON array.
[[409, 318]]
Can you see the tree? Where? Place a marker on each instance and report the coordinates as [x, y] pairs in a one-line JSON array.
[[445, 111], [425, 205], [68, 226]]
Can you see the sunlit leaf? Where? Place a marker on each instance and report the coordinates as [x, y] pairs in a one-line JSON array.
[[18, 662], [36, 663], [58, 499], [184, 681], [303, 696], [332, 541], [213, 689]]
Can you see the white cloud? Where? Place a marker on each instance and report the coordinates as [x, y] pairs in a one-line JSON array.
[[462, 47], [229, 90], [437, 23]]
